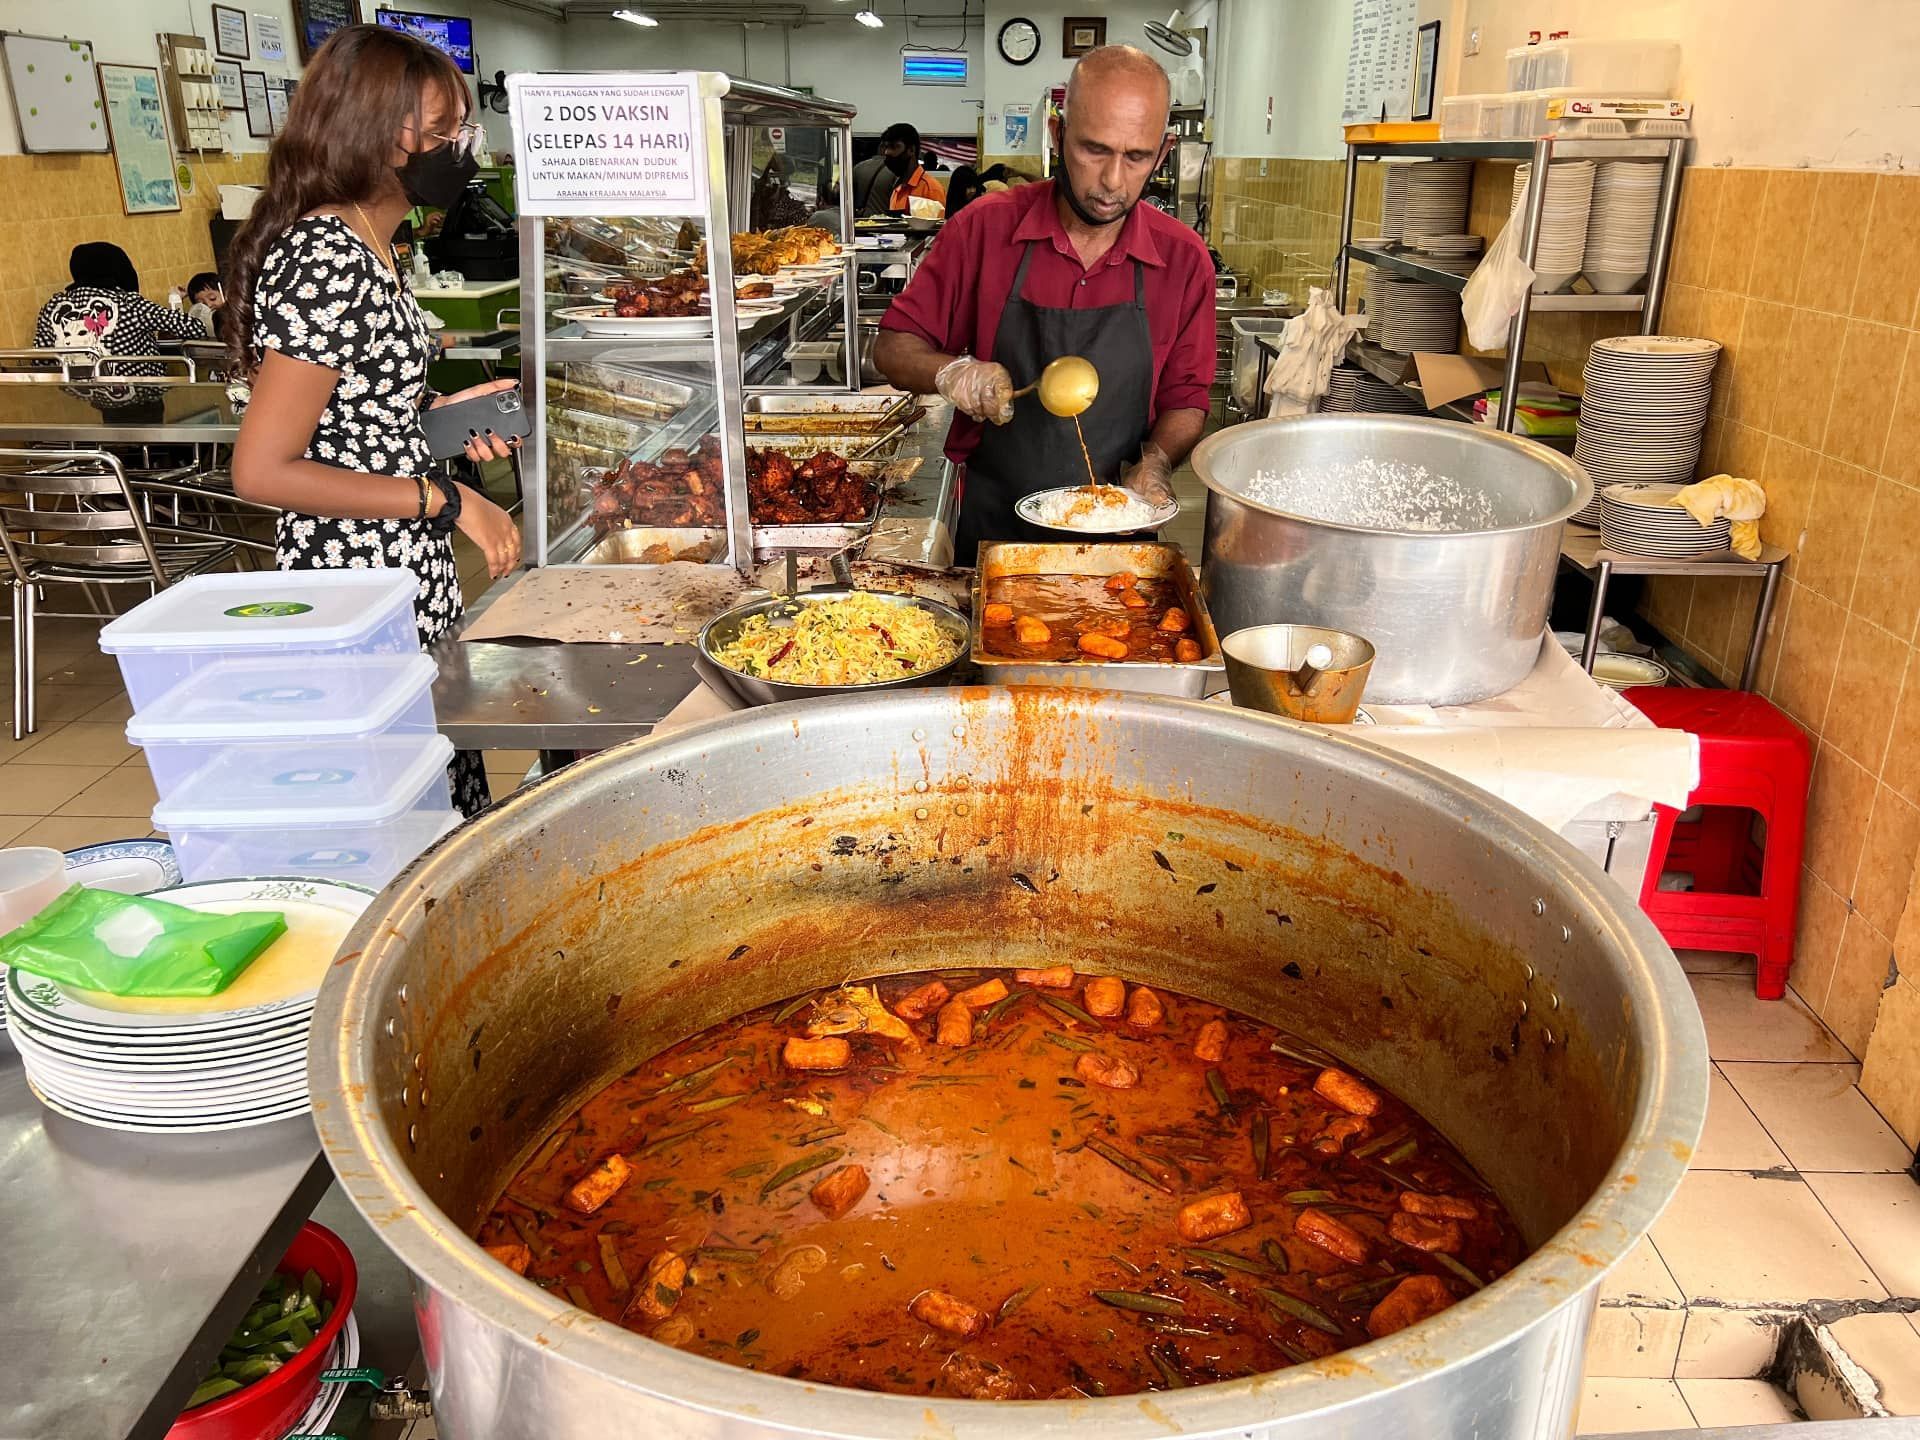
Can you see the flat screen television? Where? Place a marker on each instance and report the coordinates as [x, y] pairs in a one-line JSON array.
[[452, 34]]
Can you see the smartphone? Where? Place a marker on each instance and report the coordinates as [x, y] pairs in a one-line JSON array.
[[450, 427]]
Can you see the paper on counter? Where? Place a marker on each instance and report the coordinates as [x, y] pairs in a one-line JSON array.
[[612, 604], [1555, 692], [1550, 773]]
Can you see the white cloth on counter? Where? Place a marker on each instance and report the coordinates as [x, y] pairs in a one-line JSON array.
[[1555, 746], [1554, 774]]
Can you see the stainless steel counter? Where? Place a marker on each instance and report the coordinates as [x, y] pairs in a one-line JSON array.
[[128, 1259], [175, 412]]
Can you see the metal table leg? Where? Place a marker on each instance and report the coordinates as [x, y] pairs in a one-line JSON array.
[[1591, 648], [1750, 671]]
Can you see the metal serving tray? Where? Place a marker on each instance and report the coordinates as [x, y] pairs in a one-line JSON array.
[[1150, 560], [656, 545], [788, 415], [889, 475]]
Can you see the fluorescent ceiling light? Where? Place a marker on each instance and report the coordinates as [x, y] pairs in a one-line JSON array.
[[869, 19], [634, 17]]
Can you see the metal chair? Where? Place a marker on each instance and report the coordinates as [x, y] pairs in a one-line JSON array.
[[73, 517]]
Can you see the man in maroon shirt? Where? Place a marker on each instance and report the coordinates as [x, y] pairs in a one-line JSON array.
[[1075, 266]]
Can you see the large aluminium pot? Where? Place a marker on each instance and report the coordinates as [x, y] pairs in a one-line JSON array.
[[1434, 938], [1448, 572]]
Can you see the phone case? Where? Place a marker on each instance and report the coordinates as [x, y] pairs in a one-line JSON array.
[[449, 427]]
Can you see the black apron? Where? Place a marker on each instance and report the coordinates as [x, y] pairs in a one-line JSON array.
[[1037, 450]]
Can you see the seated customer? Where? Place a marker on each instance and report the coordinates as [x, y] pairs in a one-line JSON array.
[[103, 313], [887, 180], [207, 302]]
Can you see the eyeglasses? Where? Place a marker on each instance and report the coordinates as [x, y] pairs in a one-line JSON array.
[[469, 139]]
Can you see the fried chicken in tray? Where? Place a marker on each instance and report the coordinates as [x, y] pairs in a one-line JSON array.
[[764, 252], [683, 292], [682, 489], [686, 489], [817, 491]]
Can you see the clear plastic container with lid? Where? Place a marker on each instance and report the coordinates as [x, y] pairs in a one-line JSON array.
[[354, 811], [283, 706], [211, 618]]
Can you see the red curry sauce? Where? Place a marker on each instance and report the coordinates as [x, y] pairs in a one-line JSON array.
[[989, 1217], [1050, 617]]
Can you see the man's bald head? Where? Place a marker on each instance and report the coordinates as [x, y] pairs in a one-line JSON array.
[[1133, 71], [1114, 133]]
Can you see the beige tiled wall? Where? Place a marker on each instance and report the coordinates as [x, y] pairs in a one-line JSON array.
[[59, 201], [1810, 279], [1281, 228]]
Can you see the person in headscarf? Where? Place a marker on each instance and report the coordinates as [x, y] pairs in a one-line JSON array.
[[103, 313]]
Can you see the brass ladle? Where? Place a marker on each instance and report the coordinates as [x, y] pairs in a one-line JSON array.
[[1067, 386]]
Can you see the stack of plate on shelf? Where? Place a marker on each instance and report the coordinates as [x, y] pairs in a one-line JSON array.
[[1642, 520], [1563, 223], [1589, 514], [1626, 198], [1409, 315], [1353, 391], [1458, 253], [1644, 410], [1437, 197], [1393, 202], [218, 1062]]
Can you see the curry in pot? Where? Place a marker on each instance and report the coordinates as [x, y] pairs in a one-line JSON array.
[[1001, 1185]]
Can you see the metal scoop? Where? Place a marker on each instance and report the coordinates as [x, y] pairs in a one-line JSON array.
[[1068, 386]]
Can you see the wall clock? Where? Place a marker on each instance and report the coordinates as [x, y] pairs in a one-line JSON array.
[[1019, 41]]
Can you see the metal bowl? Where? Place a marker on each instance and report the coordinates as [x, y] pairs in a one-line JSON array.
[[725, 629]]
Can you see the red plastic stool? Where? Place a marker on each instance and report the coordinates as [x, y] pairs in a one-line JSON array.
[[1752, 757]]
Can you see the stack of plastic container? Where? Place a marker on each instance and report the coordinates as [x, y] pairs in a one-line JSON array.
[[288, 722]]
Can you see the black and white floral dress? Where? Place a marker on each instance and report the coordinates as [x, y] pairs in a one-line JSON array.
[[324, 296]]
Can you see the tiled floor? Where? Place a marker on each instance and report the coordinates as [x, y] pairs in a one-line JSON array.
[[1796, 1193]]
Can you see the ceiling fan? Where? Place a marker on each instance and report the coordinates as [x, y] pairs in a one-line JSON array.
[[1166, 34]]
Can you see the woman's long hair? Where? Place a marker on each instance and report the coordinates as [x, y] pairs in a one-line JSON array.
[[359, 90]]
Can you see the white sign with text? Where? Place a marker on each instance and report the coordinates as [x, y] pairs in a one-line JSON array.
[[608, 144]]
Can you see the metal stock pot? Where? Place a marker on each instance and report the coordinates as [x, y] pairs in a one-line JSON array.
[[1436, 541], [634, 898]]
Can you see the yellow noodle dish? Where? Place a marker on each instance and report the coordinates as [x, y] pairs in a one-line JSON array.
[[857, 639]]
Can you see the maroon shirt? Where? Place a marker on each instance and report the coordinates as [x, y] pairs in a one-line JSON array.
[[955, 298]]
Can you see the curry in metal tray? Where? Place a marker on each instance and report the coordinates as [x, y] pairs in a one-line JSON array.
[[1056, 618], [1001, 1185]]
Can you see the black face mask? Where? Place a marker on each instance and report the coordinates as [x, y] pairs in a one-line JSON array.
[[903, 164], [437, 177]]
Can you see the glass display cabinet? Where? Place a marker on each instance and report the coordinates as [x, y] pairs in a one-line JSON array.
[[657, 345]]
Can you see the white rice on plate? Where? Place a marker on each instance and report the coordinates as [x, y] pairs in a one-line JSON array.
[[1095, 507]]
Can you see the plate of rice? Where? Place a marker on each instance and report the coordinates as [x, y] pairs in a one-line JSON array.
[[833, 641], [1094, 510]]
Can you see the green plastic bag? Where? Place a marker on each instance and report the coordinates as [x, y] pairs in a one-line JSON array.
[[130, 945]]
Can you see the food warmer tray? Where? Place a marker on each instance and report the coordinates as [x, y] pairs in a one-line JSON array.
[[888, 474], [1150, 560], [787, 415], [645, 544]]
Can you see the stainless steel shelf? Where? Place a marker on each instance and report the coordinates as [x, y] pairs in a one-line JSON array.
[[1406, 265], [1514, 150], [1447, 280]]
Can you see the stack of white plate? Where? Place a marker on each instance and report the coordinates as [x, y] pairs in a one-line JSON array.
[[1626, 196], [1352, 391], [219, 1062], [1563, 223], [1458, 253], [1409, 315], [1644, 409], [1590, 513], [1643, 520], [1437, 197], [1393, 202]]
